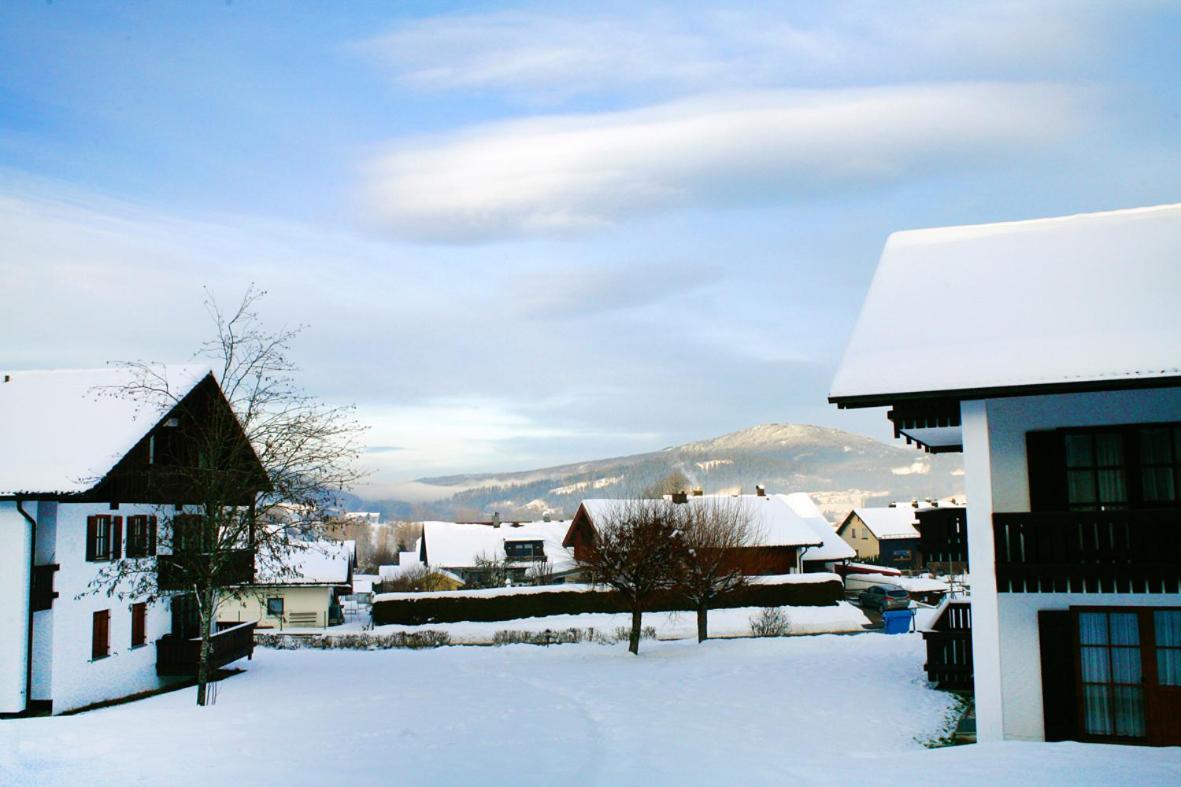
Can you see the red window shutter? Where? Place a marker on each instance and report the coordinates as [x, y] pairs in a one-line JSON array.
[[91, 536], [138, 623], [100, 639], [117, 538], [151, 535]]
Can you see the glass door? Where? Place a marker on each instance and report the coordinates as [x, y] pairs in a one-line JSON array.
[[1111, 675]]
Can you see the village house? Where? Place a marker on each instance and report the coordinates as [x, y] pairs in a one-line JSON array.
[[782, 536], [305, 593], [1049, 353], [883, 535], [526, 551], [84, 482]]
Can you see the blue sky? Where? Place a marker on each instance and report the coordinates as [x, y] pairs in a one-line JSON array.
[[524, 234]]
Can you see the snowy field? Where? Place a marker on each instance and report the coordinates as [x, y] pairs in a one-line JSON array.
[[824, 709]]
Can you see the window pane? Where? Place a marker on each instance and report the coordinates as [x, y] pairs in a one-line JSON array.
[[1096, 710], [1129, 711], [1168, 628], [1079, 452], [1168, 666], [1125, 628], [1158, 484], [1095, 665], [1111, 487], [1125, 665], [1156, 446], [1109, 449], [1080, 486], [1092, 628]]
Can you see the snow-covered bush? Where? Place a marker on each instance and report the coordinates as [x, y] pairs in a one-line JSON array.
[[568, 636], [770, 622], [399, 639]]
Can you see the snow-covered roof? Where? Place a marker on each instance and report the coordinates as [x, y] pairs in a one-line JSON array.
[[389, 573], [771, 517], [889, 523], [833, 547], [454, 545], [1079, 299], [61, 431], [317, 563], [363, 583]]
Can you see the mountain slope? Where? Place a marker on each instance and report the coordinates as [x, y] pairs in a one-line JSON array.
[[839, 468]]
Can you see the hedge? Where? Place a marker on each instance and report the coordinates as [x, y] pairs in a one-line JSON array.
[[441, 609]]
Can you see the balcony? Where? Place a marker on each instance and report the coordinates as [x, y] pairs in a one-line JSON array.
[[180, 657], [1088, 552], [949, 647], [237, 569]]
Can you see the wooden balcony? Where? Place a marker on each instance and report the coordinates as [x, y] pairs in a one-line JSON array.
[[1088, 552], [237, 569], [179, 657], [949, 647]]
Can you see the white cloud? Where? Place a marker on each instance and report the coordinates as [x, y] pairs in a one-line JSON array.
[[551, 53], [562, 174], [918, 467]]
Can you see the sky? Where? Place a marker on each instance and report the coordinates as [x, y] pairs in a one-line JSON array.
[[523, 234]]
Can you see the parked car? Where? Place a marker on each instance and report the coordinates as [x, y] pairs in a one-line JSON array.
[[883, 597]]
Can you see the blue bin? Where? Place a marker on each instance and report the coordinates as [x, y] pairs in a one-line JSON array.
[[898, 620]]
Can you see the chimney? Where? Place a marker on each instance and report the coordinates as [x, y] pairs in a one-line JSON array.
[[680, 497], [760, 490], [698, 492], [8, 378], [496, 519]]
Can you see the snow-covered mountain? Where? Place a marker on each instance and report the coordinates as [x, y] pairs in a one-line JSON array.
[[839, 468]]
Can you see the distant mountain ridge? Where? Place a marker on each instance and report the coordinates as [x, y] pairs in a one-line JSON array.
[[840, 469]]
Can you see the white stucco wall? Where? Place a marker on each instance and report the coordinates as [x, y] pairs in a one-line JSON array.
[[1005, 646], [76, 679], [15, 544], [252, 605]]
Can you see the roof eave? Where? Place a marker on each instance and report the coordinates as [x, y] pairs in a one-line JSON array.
[[995, 392]]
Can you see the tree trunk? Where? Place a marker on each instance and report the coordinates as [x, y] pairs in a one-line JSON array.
[[206, 645], [633, 642], [702, 622]]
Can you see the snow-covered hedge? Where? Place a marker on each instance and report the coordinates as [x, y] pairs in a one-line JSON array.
[[359, 641], [414, 609]]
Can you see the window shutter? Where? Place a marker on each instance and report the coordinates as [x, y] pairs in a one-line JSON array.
[[100, 642], [91, 536], [151, 535], [1059, 700], [117, 538], [1046, 458]]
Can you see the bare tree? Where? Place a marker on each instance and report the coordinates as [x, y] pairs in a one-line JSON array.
[[417, 579], [674, 482], [260, 474], [635, 552], [540, 572], [491, 571], [707, 566]]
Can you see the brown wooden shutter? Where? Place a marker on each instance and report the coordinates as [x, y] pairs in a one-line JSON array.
[[1059, 698], [151, 535], [1046, 458], [100, 637], [91, 536], [117, 538], [138, 623]]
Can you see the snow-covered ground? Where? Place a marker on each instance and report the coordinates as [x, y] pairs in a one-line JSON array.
[[852, 709], [841, 618]]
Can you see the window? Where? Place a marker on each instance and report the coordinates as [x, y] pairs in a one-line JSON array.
[[100, 635], [1109, 657], [275, 607], [1167, 623], [141, 536], [139, 619], [104, 537], [524, 550], [1096, 471], [188, 533]]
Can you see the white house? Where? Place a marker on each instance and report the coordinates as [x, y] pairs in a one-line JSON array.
[[73, 498], [1049, 353], [522, 546], [305, 593]]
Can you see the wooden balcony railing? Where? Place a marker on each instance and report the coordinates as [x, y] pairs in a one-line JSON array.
[[237, 569], [1088, 552], [177, 656], [949, 647]]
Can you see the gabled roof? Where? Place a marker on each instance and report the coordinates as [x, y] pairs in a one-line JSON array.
[[888, 523], [1073, 303], [771, 517], [316, 563], [61, 431], [455, 545], [833, 547]]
